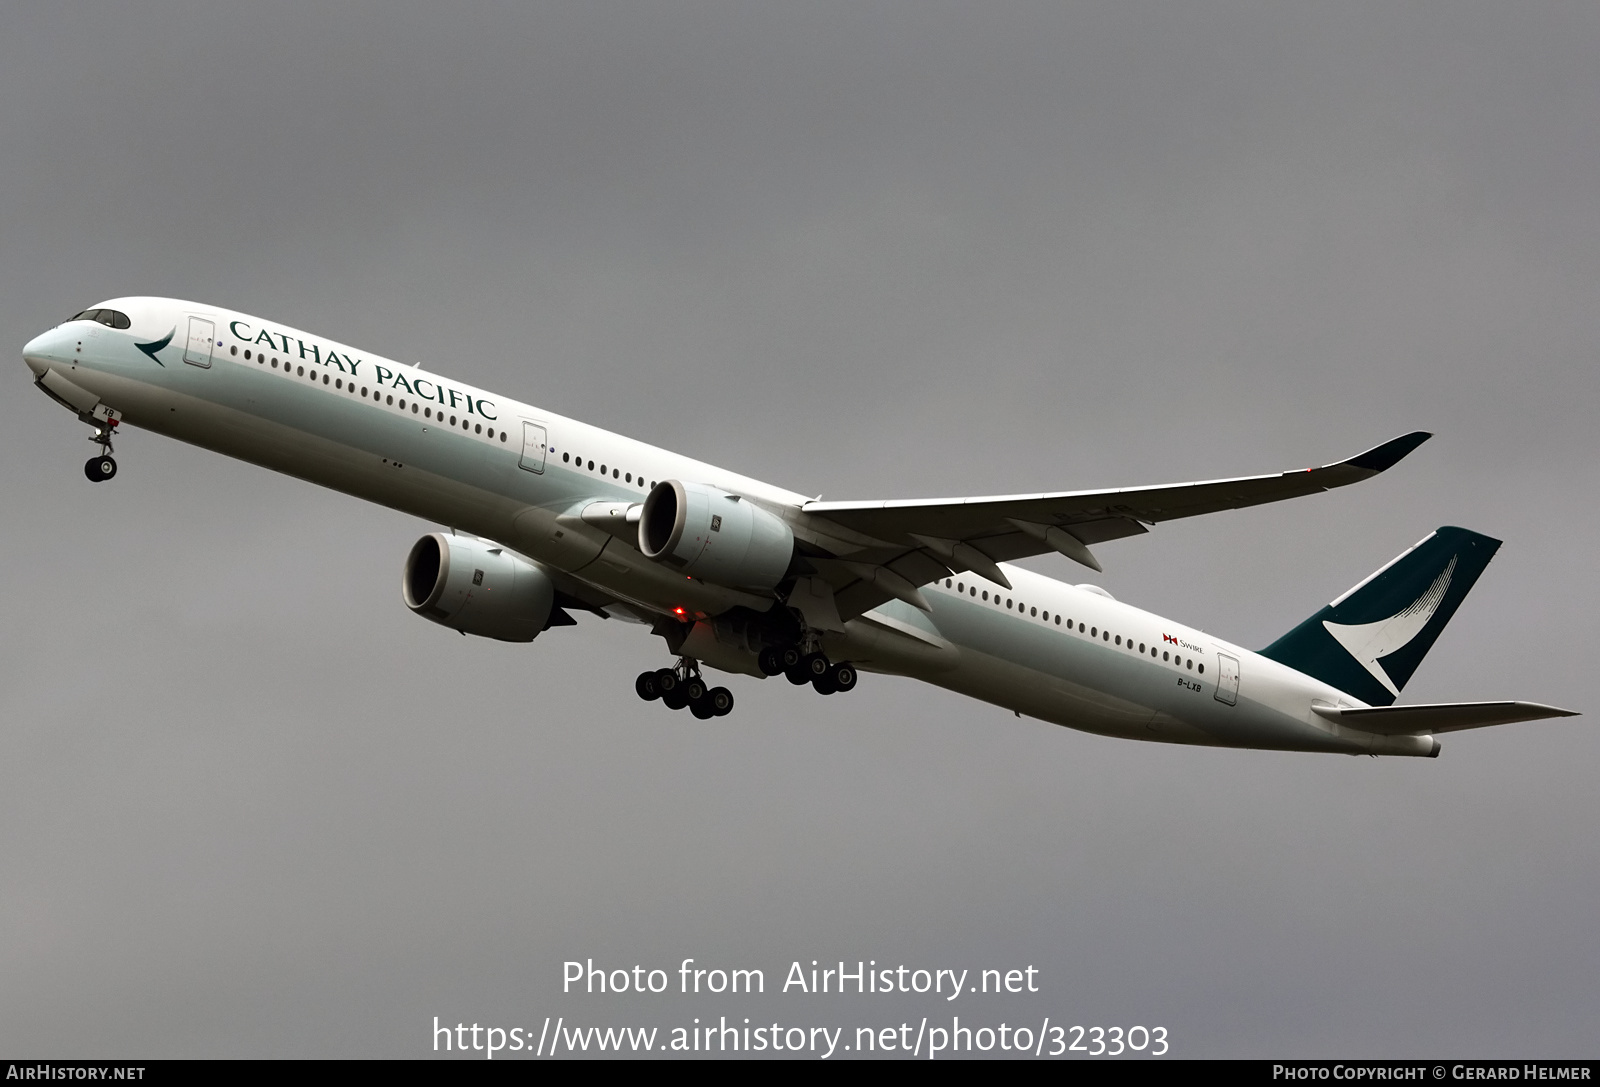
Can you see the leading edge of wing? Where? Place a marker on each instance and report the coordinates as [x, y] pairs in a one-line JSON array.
[[1165, 501]]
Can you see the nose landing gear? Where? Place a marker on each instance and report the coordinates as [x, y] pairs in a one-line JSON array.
[[100, 468], [681, 686]]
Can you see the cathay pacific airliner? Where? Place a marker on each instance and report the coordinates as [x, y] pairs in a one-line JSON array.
[[544, 519]]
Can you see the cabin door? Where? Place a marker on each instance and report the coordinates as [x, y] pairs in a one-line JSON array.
[[534, 444], [202, 337], [1227, 679]]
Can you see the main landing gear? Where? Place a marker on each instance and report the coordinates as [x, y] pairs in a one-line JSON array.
[[682, 686], [102, 467], [814, 668]]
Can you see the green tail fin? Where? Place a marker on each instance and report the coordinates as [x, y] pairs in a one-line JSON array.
[[1370, 640]]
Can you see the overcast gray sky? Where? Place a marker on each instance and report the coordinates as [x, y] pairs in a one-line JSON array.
[[251, 806]]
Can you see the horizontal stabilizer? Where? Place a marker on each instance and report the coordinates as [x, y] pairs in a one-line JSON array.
[[1441, 717]]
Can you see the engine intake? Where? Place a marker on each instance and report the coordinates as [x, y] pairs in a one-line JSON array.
[[716, 536], [477, 588]]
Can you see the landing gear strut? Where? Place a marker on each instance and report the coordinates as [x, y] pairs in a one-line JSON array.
[[682, 686], [102, 467]]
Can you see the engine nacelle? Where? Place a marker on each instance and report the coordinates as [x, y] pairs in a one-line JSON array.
[[478, 588], [715, 536]]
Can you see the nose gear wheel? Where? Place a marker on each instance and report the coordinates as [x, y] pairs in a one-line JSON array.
[[100, 468]]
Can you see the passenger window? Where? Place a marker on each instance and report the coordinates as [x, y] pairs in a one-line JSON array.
[[1163, 654], [1201, 669]]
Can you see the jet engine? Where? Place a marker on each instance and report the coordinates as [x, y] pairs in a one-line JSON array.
[[476, 587], [715, 536]]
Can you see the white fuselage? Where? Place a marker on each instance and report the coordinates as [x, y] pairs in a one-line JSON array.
[[519, 475]]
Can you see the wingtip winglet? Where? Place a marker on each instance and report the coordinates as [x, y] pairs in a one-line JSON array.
[[1383, 457]]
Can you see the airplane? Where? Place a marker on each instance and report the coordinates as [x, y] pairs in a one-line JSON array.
[[547, 516]]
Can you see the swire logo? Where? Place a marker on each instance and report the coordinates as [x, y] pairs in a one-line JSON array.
[[1169, 638]]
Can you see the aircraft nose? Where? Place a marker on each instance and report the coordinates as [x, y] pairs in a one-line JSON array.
[[43, 349]]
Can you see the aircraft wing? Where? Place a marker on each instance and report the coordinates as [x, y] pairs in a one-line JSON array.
[[916, 541]]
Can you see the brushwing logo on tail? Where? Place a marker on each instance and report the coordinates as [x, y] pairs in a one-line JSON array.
[[1370, 642]]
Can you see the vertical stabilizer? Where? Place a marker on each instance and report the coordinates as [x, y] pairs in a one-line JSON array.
[[1370, 640]]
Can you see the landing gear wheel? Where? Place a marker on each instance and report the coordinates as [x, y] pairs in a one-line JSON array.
[[666, 681], [646, 688], [720, 699], [790, 657], [815, 665], [842, 676], [702, 709], [770, 661], [675, 699], [100, 469], [695, 690], [824, 683], [798, 676]]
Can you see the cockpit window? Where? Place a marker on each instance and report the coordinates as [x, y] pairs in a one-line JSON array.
[[109, 317]]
